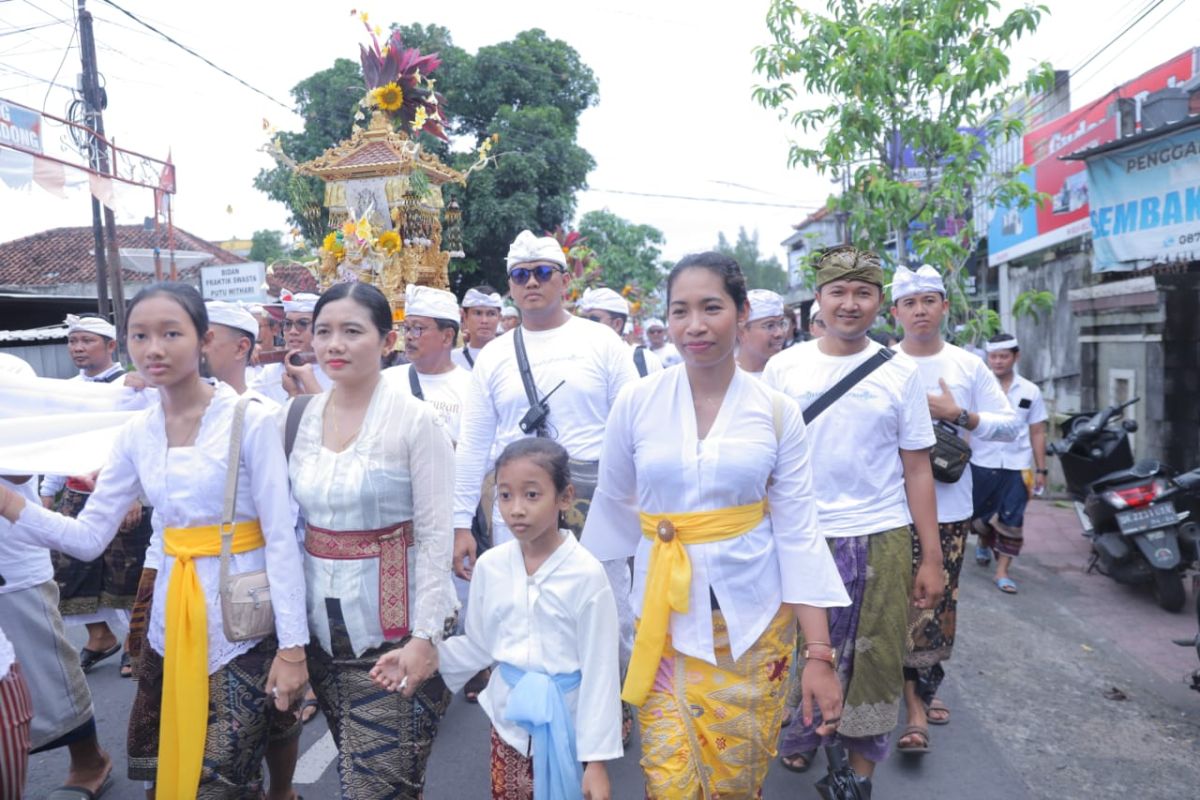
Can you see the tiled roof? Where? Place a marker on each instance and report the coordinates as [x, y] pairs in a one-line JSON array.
[[373, 153], [292, 277], [64, 256]]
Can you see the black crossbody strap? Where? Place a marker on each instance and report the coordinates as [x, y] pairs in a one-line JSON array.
[[847, 383], [295, 412], [467, 355], [639, 360], [414, 383], [523, 365]]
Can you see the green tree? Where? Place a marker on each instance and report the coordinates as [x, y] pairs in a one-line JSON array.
[[266, 246], [627, 252], [907, 95], [530, 90], [761, 273]]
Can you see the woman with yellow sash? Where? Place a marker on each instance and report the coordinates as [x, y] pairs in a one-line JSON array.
[[214, 693], [372, 469], [692, 459]]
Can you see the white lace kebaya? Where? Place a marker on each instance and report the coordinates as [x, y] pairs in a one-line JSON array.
[[186, 487]]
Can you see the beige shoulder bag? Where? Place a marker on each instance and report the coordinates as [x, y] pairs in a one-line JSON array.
[[246, 610]]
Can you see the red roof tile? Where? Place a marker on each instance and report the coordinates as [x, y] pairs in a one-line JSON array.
[[64, 256], [292, 277]]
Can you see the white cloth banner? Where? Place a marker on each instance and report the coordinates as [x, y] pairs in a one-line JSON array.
[[57, 427]]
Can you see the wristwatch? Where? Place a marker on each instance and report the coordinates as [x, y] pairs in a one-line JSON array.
[[1042, 471], [963, 419]]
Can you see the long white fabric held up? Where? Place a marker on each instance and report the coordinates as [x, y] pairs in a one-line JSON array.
[[50, 426]]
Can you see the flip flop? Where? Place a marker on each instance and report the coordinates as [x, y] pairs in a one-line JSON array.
[[90, 658], [942, 708], [808, 757], [80, 793], [915, 750], [309, 702], [126, 665], [1006, 585], [983, 555]]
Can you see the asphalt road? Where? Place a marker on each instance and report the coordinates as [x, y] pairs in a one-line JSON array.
[[1029, 686]]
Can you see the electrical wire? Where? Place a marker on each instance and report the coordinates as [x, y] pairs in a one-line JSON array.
[[192, 52], [703, 199]]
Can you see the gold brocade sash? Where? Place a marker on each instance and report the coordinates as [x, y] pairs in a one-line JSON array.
[[669, 580], [185, 655]]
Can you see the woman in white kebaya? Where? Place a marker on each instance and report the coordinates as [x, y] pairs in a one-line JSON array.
[[691, 457], [372, 470], [214, 692]]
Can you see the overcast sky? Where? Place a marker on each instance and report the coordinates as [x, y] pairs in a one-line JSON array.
[[674, 117]]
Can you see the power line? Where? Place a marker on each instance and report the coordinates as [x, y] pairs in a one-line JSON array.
[[702, 199], [63, 60], [1127, 29], [192, 52]]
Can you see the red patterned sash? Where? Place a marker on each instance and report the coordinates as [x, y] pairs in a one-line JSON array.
[[390, 545]]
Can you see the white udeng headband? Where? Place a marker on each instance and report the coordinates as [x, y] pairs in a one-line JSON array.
[[1007, 344]]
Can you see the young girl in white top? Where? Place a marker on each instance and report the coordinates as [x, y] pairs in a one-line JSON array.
[[542, 608], [215, 692], [691, 456]]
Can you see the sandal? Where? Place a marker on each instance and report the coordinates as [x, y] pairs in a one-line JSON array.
[[90, 658], [1006, 585], [126, 665], [983, 555], [805, 760], [919, 731], [936, 706], [308, 708]]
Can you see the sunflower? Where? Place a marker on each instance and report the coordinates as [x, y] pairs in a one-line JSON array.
[[331, 243], [388, 97], [388, 241]]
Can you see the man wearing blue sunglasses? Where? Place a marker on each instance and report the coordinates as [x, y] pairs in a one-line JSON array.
[[581, 364]]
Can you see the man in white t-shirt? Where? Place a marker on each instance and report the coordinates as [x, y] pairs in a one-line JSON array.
[[577, 368], [510, 318], [656, 338], [761, 336], [430, 331], [481, 308], [284, 380], [609, 308], [998, 469], [872, 479], [964, 399]]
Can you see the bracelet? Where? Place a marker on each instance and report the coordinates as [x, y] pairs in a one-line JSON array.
[[829, 658], [819, 644], [279, 655]]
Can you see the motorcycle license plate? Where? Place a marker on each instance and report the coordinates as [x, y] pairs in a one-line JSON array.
[[1139, 520]]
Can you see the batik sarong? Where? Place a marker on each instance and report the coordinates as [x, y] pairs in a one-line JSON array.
[[109, 581], [584, 475], [383, 738], [512, 773], [1005, 494], [869, 638], [710, 730], [931, 630], [241, 720]]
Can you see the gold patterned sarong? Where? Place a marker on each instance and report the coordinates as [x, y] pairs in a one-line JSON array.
[[711, 731]]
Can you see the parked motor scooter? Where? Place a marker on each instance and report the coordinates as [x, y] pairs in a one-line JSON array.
[[1128, 510]]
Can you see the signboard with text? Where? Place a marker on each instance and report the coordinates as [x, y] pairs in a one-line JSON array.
[[20, 128], [1013, 233], [233, 281], [1145, 203]]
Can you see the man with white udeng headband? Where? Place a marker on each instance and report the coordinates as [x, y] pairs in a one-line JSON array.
[[964, 398], [576, 369], [430, 330], [481, 307], [609, 308], [761, 335], [281, 381], [656, 339]]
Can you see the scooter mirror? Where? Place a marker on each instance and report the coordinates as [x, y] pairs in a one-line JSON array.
[[1130, 425]]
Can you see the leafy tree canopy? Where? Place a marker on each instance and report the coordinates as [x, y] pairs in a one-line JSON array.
[[628, 253], [530, 91], [761, 273], [266, 246]]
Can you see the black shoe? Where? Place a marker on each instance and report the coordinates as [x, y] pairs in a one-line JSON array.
[[90, 658]]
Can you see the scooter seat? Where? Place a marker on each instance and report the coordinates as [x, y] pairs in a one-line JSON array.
[[1146, 468]]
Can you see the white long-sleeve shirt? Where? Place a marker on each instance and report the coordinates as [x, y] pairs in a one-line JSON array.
[[654, 462], [592, 363], [399, 467], [186, 486], [975, 389], [561, 619], [858, 477]]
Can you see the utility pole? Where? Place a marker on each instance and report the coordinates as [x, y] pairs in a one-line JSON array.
[[99, 161]]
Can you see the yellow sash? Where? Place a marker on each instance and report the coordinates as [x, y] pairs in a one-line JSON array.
[[669, 580], [185, 660]]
